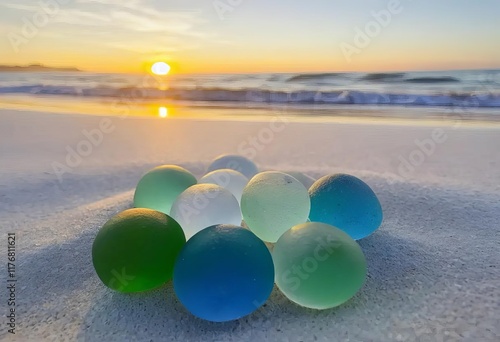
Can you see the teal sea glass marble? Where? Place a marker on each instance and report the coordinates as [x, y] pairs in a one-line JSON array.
[[318, 266], [272, 203], [223, 273], [234, 162], [346, 202], [159, 188], [136, 250]]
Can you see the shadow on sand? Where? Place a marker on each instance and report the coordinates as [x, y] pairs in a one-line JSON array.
[[393, 264]]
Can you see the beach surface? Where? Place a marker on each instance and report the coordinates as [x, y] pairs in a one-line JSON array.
[[433, 264]]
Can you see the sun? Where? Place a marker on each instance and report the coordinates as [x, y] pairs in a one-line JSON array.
[[160, 68], [163, 112]]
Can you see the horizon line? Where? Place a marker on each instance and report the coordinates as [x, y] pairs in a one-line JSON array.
[[79, 69]]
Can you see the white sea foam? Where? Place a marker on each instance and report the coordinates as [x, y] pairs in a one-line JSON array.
[[467, 89]]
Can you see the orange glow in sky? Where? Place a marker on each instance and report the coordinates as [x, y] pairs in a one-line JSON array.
[[157, 37]]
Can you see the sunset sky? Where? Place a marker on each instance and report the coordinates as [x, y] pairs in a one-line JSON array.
[[210, 36]]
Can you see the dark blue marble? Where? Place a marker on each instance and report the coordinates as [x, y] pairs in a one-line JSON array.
[[224, 272]]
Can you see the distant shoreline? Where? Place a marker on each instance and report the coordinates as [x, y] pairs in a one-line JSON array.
[[35, 67]]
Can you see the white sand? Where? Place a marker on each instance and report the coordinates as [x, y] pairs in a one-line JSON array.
[[433, 265]]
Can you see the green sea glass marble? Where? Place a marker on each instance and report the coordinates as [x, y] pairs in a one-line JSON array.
[[136, 250], [318, 266], [159, 188], [272, 202]]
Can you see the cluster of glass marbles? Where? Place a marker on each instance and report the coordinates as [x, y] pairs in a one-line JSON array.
[[227, 238]]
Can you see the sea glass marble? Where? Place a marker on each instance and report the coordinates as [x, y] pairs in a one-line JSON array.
[[346, 202], [272, 202], [223, 273], [159, 188], [204, 205], [304, 179], [136, 250], [229, 179], [234, 162], [318, 266]]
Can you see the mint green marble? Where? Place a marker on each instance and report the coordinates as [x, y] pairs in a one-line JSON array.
[[273, 202], [318, 266], [159, 188]]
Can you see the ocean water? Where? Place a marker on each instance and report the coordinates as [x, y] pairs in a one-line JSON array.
[[465, 88]]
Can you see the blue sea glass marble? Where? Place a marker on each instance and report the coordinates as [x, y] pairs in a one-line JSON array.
[[234, 162], [346, 202], [223, 273]]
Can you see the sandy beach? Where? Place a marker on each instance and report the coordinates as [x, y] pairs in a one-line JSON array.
[[433, 265]]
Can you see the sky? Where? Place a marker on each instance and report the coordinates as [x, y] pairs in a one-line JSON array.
[[243, 36]]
